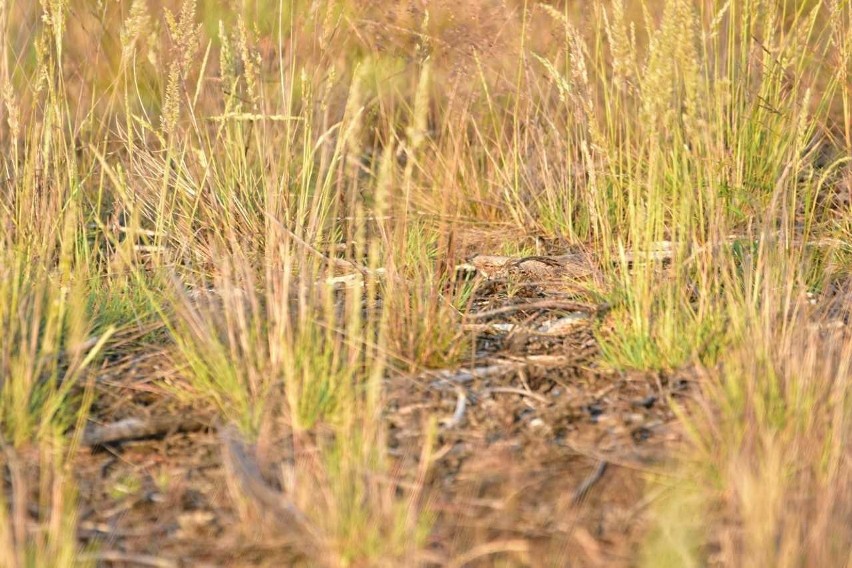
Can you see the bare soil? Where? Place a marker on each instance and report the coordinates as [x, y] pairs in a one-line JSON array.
[[541, 459]]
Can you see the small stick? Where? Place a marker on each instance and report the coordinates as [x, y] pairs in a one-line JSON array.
[[458, 415], [135, 428], [521, 392]]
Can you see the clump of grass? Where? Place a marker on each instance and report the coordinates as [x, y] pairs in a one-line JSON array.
[[44, 360], [251, 346], [291, 349], [118, 300], [264, 333], [670, 152], [220, 336], [427, 325], [777, 444], [46, 351], [356, 502], [704, 130], [665, 333], [48, 348], [422, 304], [48, 537]]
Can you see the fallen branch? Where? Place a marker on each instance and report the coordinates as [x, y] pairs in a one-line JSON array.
[[136, 428]]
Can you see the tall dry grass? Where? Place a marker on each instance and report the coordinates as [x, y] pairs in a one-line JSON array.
[[47, 344], [283, 192]]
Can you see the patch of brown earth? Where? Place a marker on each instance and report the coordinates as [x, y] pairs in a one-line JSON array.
[[540, 459]]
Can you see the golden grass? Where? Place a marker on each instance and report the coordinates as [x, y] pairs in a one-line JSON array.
[[224, 169]]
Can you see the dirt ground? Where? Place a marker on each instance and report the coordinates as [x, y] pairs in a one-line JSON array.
[[541, 459]]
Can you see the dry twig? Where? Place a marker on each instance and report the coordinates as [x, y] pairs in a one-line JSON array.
[[137, 428], [517, 391]]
